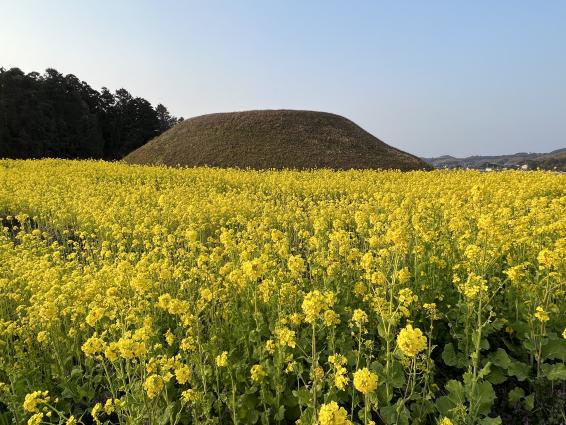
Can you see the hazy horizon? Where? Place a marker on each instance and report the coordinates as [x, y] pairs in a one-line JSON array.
[[431, 79]]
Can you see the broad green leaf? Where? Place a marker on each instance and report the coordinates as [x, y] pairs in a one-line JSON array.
[[555, 349], [554, 372], [455, 391], [302, 395], [518, 369], [397, 377], [389, 414], [445, 404], [76, 372], [491, 421], [500, 358], [395, 415], [484, 371], [449, 355], [485, 397], [497, 375], [529, 402], [515, 395], [280, 415]]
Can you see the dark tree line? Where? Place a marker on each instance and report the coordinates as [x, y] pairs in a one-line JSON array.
[[55, 115]]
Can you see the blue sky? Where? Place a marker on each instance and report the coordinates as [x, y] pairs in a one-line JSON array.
[[430, 77]]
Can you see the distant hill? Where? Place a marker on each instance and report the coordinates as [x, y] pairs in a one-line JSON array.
[[555, 160], [273, 139]]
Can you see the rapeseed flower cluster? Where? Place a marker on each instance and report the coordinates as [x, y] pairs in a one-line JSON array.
[[154, 295], [332, 414], [411, 341], [365, 381]]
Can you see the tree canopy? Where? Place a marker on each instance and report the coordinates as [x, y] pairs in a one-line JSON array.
[[56, 115]]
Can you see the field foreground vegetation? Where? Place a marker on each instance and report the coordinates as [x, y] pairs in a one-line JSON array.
[[147, 295]]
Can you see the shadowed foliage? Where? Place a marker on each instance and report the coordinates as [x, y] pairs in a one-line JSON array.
[[56, 115]]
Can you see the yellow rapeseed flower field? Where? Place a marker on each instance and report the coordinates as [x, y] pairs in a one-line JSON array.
[[149, 295]]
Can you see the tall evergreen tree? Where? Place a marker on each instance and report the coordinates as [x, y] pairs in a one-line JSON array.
[[56, 115]]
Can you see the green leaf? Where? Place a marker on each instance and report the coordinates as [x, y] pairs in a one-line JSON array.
[[397, 378], [388, 414], [554, 372], [76, 372], [500, 358], [515, 395], [529, 402], [445, 404], [422, 407], [529, 345], [280, 415], [485, 370], [518, 369], [455, 390], [303, 396], [289, 399], [555, 349], [396, 414], [381, 331], [497, 375], [382, 396], [485, 396], [491, 421], [449, 355]]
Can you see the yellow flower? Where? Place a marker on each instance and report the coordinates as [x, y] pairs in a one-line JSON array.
[[404, 275], [317, 373], [110, 352], [169, 337], [183, 373], [359, 317], [108, 406], [296, 265], [541, 314], [153, 385], [189, 395], [94, 316], [315, 302], [331, 318], [445, 421], [35, 399], [340, 372], [407, 297], [270, 346], [257, 373], [71, 421], [411, 341], [36, 419], [564, 333], [222, 359], [130, 348], [42, 336], [473, 286], [93, 345], [365, 381], [286, 337], [332, 414], [95, 411]]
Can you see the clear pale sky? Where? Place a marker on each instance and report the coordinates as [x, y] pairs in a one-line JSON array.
[[430, 77]]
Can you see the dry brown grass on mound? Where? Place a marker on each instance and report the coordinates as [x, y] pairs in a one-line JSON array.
[[273, 139]]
